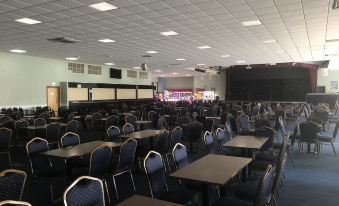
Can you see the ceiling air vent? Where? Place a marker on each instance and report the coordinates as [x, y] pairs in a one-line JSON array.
[[64, 40], [336, 4]]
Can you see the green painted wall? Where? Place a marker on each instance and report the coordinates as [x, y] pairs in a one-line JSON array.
[[23, 79]]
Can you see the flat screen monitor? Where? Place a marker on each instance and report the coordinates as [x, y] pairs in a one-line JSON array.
[[115, 73]]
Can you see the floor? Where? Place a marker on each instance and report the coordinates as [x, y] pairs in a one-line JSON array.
[[312, 182]]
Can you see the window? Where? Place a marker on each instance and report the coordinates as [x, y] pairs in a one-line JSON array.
[[143, 75], [94, 69], [132, 74], [76, 68]]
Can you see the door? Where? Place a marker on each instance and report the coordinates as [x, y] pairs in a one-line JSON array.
[[53, 98]]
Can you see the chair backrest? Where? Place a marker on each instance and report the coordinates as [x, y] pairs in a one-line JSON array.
[[72, 126], [183, 120], [195, 115], [162, 124], [12, 183], [175, 136], [229, 130], [69, 139], [20, 128], [131, 119], [279, 169], [180, 157], [39, 122], [96, 121], [113, 133], [243, 120], [112, 121], [52, 132], [308, 131], [100, 160], [5, 138], [85, 191], [209, 112], [4, 119], [208, 125], [264, 187], [151, 115], [208, 139], [154, 169], [282, 149], [266, 132], [34, 149], [335, 131], [128, 128], [15, 203], [162, 142], [126, 155], [221, 138], [194, 130]]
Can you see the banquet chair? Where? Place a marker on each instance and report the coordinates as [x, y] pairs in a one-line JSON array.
[[327, 138], [209, 143], [128, 128], [72, 126], [131, 119], [21, 131], [52, 133], [12, 184], [243, 124], [309, 135], [69, 139], [113, 134], [5, 140], [14, 203]]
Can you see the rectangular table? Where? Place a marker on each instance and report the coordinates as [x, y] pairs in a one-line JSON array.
[[144, 134], [137, 200], [212, 169], [76, 151]]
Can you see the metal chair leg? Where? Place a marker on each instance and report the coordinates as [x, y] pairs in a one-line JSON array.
[[291, 155], [335, 153], [130, 172], [108, 196], [115, 187]]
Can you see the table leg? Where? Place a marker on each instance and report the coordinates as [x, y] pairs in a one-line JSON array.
[[205, 197]]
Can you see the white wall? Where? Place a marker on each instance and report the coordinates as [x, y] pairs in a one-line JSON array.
[[176, 83], [23, 79], [333, 75]]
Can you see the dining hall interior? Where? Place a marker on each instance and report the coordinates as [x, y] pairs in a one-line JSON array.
[[169, 102]]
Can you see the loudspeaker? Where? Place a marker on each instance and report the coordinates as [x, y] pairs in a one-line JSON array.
[[144, 67]]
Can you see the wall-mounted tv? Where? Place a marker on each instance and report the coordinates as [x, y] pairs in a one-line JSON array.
[[115, 73]]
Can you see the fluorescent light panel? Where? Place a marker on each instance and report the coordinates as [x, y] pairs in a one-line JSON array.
[[225, 55], [28, 21], [181, 59], [72, 58], [103, 6], [152, 52], [269, 41], [169, 33], [158, 70], [106, 40], [251, 23], [241, 61], [204, 47], [201, 64], [136, 67], [109, 64], [18, 51], [175, 73]]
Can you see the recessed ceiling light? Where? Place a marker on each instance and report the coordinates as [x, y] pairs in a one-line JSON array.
[[225, 56], [251, 23], [201, 64], [106, 40], [28, 21], [158, 70], [169, 33], [188, 75], [204, 47], [136, 67], [109, 64], [152, 52], [18, 51], [175, 73], [181, 59], [72, 58], [241, 61], [269, 41], [103, 6]]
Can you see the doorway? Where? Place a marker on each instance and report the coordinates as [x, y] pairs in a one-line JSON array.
[[53, 98]]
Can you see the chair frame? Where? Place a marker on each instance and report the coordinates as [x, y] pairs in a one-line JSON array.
[[78, 180], [73, 120], [123, 128], [110, 128], [66, 134], [8, 146], [13, 202], [3, 173]]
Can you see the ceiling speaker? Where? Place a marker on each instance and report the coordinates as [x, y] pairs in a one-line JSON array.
[[144, 67]]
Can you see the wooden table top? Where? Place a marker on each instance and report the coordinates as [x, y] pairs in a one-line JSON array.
[[143, 122], [141, 134], [213, 169], [137, 200], [250, 142], [78, 150]]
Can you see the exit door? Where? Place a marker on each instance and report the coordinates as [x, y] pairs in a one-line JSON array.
[[53, 98]]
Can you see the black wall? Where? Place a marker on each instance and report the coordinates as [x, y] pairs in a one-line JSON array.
[[269, 84]]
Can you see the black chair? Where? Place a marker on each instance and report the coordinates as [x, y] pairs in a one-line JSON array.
[[69, 139], [209, 143], [111, 121], [52, 133], [100, 163], [131, 119], [128, 128], [14, 203], [208, 125], [183, 120], [154, 169], [176, 134], [125, 163], [268, 146], [194, 130], [39, 122], [162, 124], [221, 140], [21, 131], [41, 165], [262, 193], [72, 126], [5, 139], [162, 145], [113, 134], [96, 123], [243, 124], [180, 157], [209, 112], [85, 191], [328, 138], [309, 135], [12, 184], [40, 132], [278, 179]]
